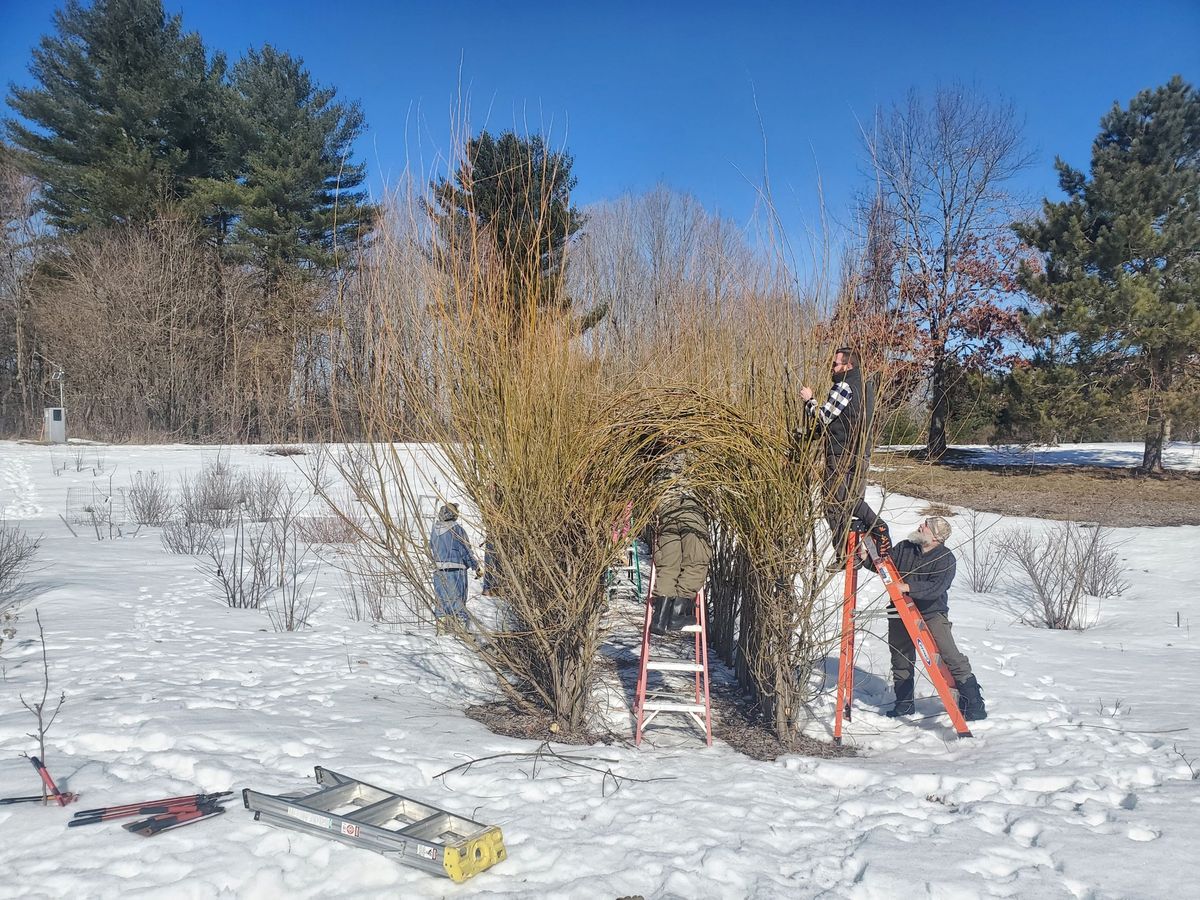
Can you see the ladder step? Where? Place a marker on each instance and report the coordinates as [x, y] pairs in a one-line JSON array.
[[673, 706], [671, 665]]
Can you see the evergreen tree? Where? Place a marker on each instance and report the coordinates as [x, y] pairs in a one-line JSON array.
[[125, 115], [1121, 283], [513, 193], [298, 200]]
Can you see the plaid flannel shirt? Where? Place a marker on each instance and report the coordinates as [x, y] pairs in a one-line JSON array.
[[835, 404]]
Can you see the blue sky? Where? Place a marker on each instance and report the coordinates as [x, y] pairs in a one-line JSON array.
[[687, 93]]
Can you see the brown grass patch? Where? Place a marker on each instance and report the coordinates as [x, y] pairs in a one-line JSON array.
[[1119, 497]]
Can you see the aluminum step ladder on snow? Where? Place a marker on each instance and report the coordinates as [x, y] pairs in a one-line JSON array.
[[649, 704], [401, 828], [923, 642]]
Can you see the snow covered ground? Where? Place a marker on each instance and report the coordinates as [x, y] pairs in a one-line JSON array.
[[1176, 455], [1077, 785]]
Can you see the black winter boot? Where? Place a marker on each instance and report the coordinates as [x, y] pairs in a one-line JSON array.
[[970, 700], [660, 615], [683, 612], [904, 700]]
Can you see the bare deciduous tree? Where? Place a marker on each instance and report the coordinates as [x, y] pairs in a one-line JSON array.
[[942, 166]]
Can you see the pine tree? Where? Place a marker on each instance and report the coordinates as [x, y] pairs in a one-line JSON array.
[[1121, 282], [298, 200], [515, 194], [124, 116]]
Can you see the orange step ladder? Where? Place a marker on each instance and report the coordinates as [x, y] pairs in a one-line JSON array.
[[926, 647], [649, 703]]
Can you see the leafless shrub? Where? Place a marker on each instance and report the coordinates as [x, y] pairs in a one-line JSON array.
[[376, 593], [220, 490], [241, 564], [984, 557], [262, 494], [79, 457], [291, 603], [1105, 576], [327, 530], [213, 496], [17, 551], [1057, 564], [149, 498], [192, 537]]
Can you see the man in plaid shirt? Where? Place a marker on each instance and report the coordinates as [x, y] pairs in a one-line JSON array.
[[843, 419]]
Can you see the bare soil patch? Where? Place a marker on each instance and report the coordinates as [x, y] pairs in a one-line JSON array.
[[738, 727], [504, 718], [1118, 497]]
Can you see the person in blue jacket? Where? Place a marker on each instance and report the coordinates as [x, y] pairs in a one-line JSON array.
[[452, 556]]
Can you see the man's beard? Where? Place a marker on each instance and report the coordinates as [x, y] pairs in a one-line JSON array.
[[918, 538]]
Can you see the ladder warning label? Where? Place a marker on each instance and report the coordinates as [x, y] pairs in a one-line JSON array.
[[310, 818], [349, 829]]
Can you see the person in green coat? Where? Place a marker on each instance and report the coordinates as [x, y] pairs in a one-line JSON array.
[[682, 550]]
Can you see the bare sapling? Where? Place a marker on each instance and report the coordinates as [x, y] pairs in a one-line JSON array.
[[295, 566], [41, 708]]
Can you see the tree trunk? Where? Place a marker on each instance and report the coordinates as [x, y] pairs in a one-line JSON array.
[[939, 408], [1157, 433], [1158, 423], [24, 357]]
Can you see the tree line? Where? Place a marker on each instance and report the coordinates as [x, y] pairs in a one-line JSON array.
[[184, 239]]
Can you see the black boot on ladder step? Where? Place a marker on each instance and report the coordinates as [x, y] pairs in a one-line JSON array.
[[660, 615]]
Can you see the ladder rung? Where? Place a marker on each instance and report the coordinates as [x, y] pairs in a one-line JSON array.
[[671, 665], [673, 706]]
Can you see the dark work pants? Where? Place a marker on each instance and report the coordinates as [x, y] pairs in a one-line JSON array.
[[904, 654], [843, 488], [680, 563]]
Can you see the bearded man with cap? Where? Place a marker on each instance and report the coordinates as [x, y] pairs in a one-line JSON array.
[[927, 567]]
